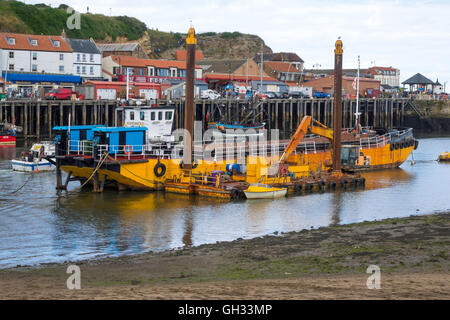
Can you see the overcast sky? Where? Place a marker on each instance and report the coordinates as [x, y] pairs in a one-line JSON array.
[[411, 35]]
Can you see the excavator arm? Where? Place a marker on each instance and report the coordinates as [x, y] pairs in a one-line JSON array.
[[321, 130], [306, 125]]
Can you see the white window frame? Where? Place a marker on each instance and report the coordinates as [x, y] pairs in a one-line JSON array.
[[91, 57], [34, 42], [12, 41], [9, 67], [34, 55], [151, 71], [11, 55], [34, 68], [61, 57], [61, 68], [91, 70]]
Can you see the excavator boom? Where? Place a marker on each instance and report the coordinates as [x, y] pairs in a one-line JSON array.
[[306, 125]]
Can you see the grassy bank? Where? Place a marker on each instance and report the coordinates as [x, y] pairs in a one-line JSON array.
[[269, 267]]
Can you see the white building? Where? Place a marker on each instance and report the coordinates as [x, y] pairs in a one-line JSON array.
[[32, 53], [87, 59], [386, 75]]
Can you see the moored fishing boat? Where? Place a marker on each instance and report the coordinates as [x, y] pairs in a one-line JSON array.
[[7, 134], [35, 160]]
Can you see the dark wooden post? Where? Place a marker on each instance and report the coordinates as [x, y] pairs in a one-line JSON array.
[[38, 120], [49, 112], [337, 112], [191, 42]]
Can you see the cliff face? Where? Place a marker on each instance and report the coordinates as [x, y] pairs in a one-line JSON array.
[[18, 17], [214, 45]]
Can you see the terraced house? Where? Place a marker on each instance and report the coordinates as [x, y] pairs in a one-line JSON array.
[[34, 64], [32, 53], [145, 70], [87, 59]]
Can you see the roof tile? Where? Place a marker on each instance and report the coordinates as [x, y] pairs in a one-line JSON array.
[[22, 42]]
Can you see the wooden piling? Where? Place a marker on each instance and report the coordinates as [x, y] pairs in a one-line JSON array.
[[38, 120], [49, 112], [61, 114]]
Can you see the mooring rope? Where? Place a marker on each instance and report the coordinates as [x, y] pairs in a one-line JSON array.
[[104, 156], [23, 185]]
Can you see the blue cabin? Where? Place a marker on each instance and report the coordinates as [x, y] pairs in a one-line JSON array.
[[121, 139], [77, 134]]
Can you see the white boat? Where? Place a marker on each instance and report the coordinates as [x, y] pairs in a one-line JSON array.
[[261, 191], [34, 161]]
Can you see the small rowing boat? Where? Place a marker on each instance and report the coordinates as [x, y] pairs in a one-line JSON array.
[[261, 191]]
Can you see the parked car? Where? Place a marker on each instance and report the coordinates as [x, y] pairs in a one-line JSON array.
[[280, 95], [321, 95], [297, 95], [262, 96], [60, 94], [271, 95], [210, 94]]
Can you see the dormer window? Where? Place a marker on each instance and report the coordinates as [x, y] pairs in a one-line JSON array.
[[11, 41], [34, 42], [56, 43]]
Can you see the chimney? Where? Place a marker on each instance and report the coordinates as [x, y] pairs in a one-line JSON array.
[[63, 34]]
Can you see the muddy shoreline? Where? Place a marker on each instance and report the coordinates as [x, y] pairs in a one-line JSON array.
[[326, 263]]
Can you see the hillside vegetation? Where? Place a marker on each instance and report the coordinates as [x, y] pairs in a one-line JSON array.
[[41, 19], [18, 17]]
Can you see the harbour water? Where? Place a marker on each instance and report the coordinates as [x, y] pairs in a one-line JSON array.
[[41, 225]]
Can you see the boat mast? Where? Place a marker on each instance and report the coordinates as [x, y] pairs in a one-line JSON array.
[[357, 113], [262, 62]]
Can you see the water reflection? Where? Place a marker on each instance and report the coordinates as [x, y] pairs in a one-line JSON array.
[[41, 225]]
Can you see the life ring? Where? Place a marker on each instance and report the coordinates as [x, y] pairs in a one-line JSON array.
[[284, 171], [159, 173], [127, 149]]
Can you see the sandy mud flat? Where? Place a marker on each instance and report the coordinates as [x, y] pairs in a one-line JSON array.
[[327, 263]]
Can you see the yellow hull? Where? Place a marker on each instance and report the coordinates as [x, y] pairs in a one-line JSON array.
[[142, 176], [445, 156]]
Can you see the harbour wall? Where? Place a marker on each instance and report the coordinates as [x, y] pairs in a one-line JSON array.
[[37, 118], [435, 119]]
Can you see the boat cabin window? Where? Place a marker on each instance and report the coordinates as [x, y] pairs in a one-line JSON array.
[[131, 115], [168, 115], [153, 116], [142, 115], [160, 115]]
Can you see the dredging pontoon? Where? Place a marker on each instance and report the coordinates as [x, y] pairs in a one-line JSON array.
[[143, 154]]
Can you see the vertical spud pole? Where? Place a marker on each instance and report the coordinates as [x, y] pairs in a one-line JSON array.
[[337, 110], [191, 42]]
